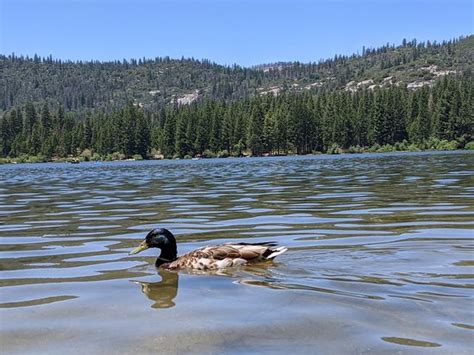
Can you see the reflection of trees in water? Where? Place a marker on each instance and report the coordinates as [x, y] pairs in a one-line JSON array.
[[162, 292]]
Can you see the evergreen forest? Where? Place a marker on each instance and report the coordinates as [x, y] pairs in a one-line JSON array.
[[52, 109], [394, 117]]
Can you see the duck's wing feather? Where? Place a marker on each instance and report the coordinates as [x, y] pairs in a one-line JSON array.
[[246, 251], [228, 255]]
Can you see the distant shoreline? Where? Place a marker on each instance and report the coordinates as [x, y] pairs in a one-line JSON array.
[[6, 161]]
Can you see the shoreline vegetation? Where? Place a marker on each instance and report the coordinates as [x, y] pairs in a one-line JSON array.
[[86, 156], [440, 117]]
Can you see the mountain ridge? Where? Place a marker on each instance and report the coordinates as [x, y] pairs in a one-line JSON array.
[[83, 86]]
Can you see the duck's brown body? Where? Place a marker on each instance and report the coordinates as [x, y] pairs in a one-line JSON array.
[[223, 256]]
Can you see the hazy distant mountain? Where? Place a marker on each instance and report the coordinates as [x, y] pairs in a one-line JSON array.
[[80, 86]]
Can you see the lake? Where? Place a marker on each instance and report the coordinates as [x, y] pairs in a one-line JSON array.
[[380, 255]]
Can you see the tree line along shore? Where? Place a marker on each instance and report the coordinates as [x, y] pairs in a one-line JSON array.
[[394, 118]]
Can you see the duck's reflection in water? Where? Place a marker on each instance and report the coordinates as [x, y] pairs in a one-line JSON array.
[[162, 292], [165, 291]]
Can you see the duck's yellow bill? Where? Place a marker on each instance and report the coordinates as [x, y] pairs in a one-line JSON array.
[[143, 246]]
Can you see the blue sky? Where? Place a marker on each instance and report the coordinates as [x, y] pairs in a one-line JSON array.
[[245, 32]]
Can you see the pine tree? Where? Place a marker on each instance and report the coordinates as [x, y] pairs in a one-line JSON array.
[[228, 130], [181, 144], [465, 120], [142, 135], [86, 141], [398, 116], [215, 134], [381, 119], [169, 136], [4, 137], [255, 133], [281, 130], [30, 119], [202, 135], [191, 133], [240, 130], [420, 128], [35, 140], [361, 124], [45, 122], [269, 132], [443, 128]]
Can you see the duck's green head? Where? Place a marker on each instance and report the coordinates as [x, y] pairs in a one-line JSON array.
[[159, 238]]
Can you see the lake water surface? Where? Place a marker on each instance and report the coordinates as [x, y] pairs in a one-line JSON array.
[[380, 256]]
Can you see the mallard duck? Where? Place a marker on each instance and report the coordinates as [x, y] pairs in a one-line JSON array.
[[207, 258]]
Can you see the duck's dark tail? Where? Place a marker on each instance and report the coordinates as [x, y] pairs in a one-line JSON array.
[[273, 253]]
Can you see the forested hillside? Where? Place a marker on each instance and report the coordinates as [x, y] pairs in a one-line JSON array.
[[393, 118], [152, 83], [414, 96]]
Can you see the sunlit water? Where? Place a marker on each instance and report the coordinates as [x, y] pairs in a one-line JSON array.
[[380, 255]]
